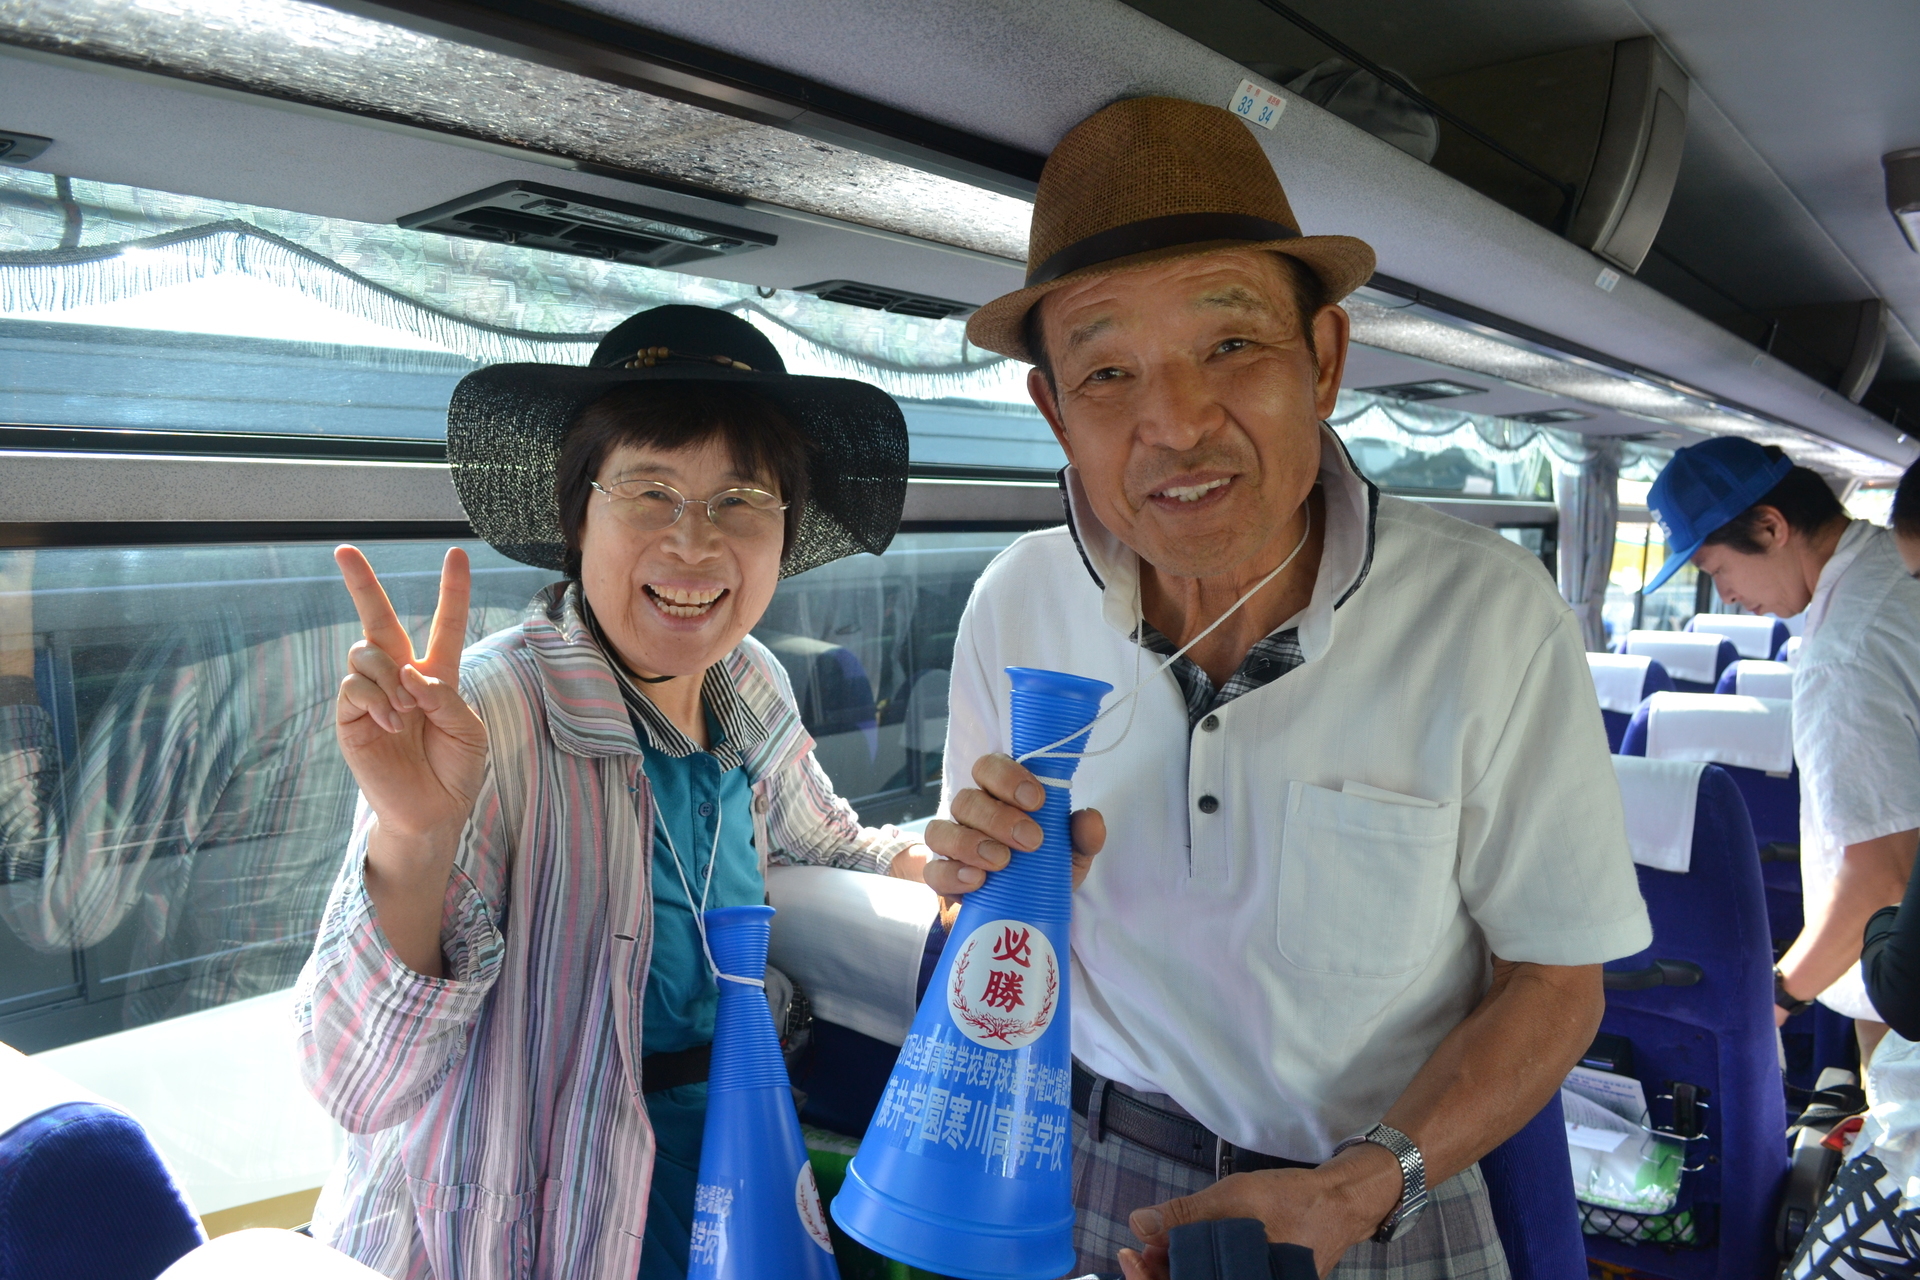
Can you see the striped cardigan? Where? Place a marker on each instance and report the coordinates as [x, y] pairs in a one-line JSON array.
[[496, 1124]]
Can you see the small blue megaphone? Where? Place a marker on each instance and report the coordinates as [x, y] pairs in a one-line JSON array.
[[966, 1170], [756, 1210]]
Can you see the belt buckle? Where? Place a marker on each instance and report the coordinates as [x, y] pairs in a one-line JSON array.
[[1097, 1110], [1222, 1157]]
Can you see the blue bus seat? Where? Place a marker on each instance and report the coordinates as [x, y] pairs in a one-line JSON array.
[[1622, 682], [83, 1193], [1754, 635], [1752, 739], [830, 685], [1788, 651], [1530, 1184], [1693, 660], [1717, 1034], [1753, 678]]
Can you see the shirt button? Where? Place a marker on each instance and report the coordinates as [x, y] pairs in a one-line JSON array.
[[1210, 723], [706, 810], [1208, 804]]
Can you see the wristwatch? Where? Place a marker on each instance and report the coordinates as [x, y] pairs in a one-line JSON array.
[[1413, 1178], [1785, 1001]]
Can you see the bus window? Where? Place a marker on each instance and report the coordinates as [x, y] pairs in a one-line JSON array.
[[174, 808], [177, 806], [868, 643]]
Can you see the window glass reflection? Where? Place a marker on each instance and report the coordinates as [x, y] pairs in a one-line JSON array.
[[173, 806]]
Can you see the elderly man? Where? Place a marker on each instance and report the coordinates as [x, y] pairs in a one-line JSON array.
[[1363, 849]]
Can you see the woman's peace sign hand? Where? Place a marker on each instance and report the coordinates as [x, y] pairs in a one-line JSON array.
[[417, 750]]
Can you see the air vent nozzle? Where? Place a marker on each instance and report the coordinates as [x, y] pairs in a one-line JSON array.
[[540, 217], [898, 301], [18, 148], [1547, 417], [1431, 389]]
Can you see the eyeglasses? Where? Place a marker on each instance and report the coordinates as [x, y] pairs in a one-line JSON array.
[[650, 506]]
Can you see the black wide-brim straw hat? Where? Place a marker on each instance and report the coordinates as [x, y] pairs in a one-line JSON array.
[[507, 424]]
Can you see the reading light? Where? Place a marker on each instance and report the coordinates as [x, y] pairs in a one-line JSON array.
[[1903, 192], [1431, 389], [1547, 417]]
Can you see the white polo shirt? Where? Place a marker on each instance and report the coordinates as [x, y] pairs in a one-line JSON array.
[[1856, 719], [1429, 788]]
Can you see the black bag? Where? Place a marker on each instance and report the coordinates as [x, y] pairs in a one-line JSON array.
[[1234, 1249]]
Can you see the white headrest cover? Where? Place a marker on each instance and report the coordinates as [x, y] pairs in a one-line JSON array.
[[1751, 635], [1757, 679], [252, 1254], [1660, 797], [1685, 654], [1619, 678], [1721, 728], [853, 942]]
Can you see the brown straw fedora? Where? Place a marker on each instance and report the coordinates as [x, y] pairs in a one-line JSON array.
[[1149, 180]]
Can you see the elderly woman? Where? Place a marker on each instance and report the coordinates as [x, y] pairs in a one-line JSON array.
[[509, 1006]]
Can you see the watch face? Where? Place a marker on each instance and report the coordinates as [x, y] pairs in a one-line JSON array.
[[1402, 1222]]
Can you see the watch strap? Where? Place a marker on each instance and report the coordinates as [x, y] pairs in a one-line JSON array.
[[1785, 1000], [1413, 1178]]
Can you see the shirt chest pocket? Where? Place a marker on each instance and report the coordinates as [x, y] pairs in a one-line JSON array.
[[1366, 884]]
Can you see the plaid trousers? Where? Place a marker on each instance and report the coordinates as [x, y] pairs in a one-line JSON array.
[[1455, 1238]]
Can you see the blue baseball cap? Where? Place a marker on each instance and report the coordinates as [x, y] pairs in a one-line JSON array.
[[1703, 487]]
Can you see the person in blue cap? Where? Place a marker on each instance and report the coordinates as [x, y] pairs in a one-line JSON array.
[[1776, 540], [1869, 1222]]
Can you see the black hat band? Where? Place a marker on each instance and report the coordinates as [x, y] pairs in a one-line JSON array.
[[1157, 233]]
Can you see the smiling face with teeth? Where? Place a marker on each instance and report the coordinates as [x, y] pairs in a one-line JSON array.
[[1188, 396], [675, 601]]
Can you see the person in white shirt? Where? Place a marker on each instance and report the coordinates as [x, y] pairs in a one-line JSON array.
[[1360, 852], [1868, 1225], [1776, 540]]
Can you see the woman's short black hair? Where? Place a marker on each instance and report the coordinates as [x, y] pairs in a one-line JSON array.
[[1905, 516], [758, 438], [1802, 498]]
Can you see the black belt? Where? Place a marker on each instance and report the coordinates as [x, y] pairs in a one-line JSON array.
[[660, 1071], [1163, 1132]]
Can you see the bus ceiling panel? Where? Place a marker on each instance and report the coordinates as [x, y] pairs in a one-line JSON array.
[[1023, 75], [305, 53], [1400, 376], [1020, 76], [68, 488], [168, 134], [989, 502], [72, 488]]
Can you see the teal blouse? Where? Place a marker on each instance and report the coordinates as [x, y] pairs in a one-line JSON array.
[[695, 798]]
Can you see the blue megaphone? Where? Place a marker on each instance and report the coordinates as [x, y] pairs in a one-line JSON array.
[[756, 1210], [967, 1169]]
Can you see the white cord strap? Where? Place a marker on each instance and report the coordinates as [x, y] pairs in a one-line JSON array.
[[700, 912], [1050, 751]]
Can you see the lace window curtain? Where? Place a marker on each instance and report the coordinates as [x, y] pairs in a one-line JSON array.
[[1589, 499]]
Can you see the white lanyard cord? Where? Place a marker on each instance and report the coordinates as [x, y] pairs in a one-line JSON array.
[[700, 912], [1049, 751]]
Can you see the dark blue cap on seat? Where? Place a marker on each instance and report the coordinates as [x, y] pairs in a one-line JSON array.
[[1702, 488]]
